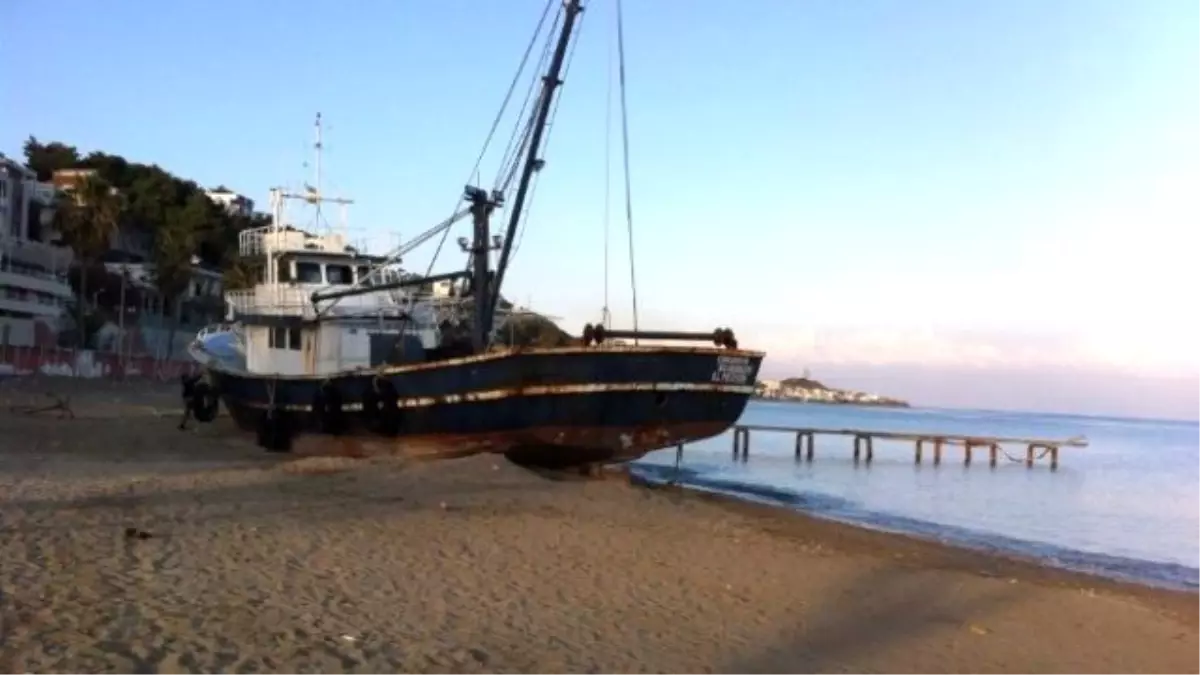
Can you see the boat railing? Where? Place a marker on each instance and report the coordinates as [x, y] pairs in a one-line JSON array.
[[251, 242], [272, 300], [286, 300], [260, 241]]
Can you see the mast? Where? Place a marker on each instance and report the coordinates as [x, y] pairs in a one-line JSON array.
[[550, 82]]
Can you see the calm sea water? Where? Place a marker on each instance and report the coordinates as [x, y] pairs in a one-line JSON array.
[[1126, 506]]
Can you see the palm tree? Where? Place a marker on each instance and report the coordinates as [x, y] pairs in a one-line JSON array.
[[174, 250], [87, 218]]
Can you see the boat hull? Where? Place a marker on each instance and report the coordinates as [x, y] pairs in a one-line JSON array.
[[546, 407]]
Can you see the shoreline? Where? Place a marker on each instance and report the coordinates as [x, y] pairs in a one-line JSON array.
[[856, 404], [999, 555], [921, 551], [1088, 563], [132, 547]]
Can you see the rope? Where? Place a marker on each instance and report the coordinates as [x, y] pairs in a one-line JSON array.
[[604, 315], [492, 132], [546, 142], [625, 146], [537, 176], [510, 161]]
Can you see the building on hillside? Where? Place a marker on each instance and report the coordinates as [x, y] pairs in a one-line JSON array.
[[128, 243], [157, 325], [34, 287], [67, 179], [234, 203]]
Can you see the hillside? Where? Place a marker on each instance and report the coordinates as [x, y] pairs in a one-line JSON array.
[[802, 383], [808, 390], [532, 330]]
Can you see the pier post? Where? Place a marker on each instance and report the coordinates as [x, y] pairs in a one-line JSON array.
[[804, 444]]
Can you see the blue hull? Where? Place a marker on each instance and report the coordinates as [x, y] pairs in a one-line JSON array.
[[551, 407]]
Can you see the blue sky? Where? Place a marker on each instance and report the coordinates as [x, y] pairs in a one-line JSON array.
[[872, 189]]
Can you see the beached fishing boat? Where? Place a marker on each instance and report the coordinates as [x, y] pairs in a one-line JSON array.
[[333, 345]]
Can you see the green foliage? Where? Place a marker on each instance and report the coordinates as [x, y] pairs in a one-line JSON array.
[[88, 218], [88, 323], [802, 383], [185, 228], [172, 210], [532, 330], [241, 273], [45, 159]]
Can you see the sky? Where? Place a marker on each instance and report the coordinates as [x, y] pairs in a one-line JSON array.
[[981, 204]]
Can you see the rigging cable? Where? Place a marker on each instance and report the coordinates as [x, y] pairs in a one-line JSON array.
[[625, 145], [546, 140], [605, 317], [491, 133], [510, 161], [495, 124], [536, 180]]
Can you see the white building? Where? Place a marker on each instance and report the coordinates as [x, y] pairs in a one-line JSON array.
[[34, 288], [233, 202]]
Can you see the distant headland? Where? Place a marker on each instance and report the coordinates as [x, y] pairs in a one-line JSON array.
[[807, 390]]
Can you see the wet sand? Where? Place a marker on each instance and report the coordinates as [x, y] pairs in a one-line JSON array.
[[128, 546]]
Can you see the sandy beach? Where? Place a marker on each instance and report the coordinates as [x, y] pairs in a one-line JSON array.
[[129, 546]]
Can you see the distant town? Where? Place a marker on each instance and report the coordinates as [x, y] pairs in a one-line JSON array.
[[807, 390]]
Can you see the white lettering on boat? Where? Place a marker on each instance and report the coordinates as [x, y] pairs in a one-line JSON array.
[[732, 370]]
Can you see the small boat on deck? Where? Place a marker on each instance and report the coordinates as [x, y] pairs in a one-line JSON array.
[[350, 353]]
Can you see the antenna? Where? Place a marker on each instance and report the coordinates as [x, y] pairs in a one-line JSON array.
[[317, 186]]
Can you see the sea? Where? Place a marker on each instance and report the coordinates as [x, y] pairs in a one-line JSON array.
[[1127, 506]]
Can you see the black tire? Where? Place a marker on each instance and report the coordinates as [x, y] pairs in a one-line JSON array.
[[204, 402], [327, 409], [381, 408]]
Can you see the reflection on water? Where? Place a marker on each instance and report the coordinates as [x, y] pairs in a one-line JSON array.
[[1125, 506]]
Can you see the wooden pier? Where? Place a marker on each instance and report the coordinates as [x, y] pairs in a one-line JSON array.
[[864, 450]]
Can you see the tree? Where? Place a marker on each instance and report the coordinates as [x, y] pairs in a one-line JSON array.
[[240, 273], [174, 254], [45, 159], [87, 218]]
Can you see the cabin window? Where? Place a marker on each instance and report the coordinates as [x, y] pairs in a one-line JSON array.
[[338, 274], [308, 272], [284, 270], [362, 276], [285, 338]]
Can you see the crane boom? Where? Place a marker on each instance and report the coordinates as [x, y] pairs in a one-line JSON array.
[[395, 257]]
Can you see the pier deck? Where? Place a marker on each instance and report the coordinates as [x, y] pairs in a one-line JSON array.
[[1035, 448]]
